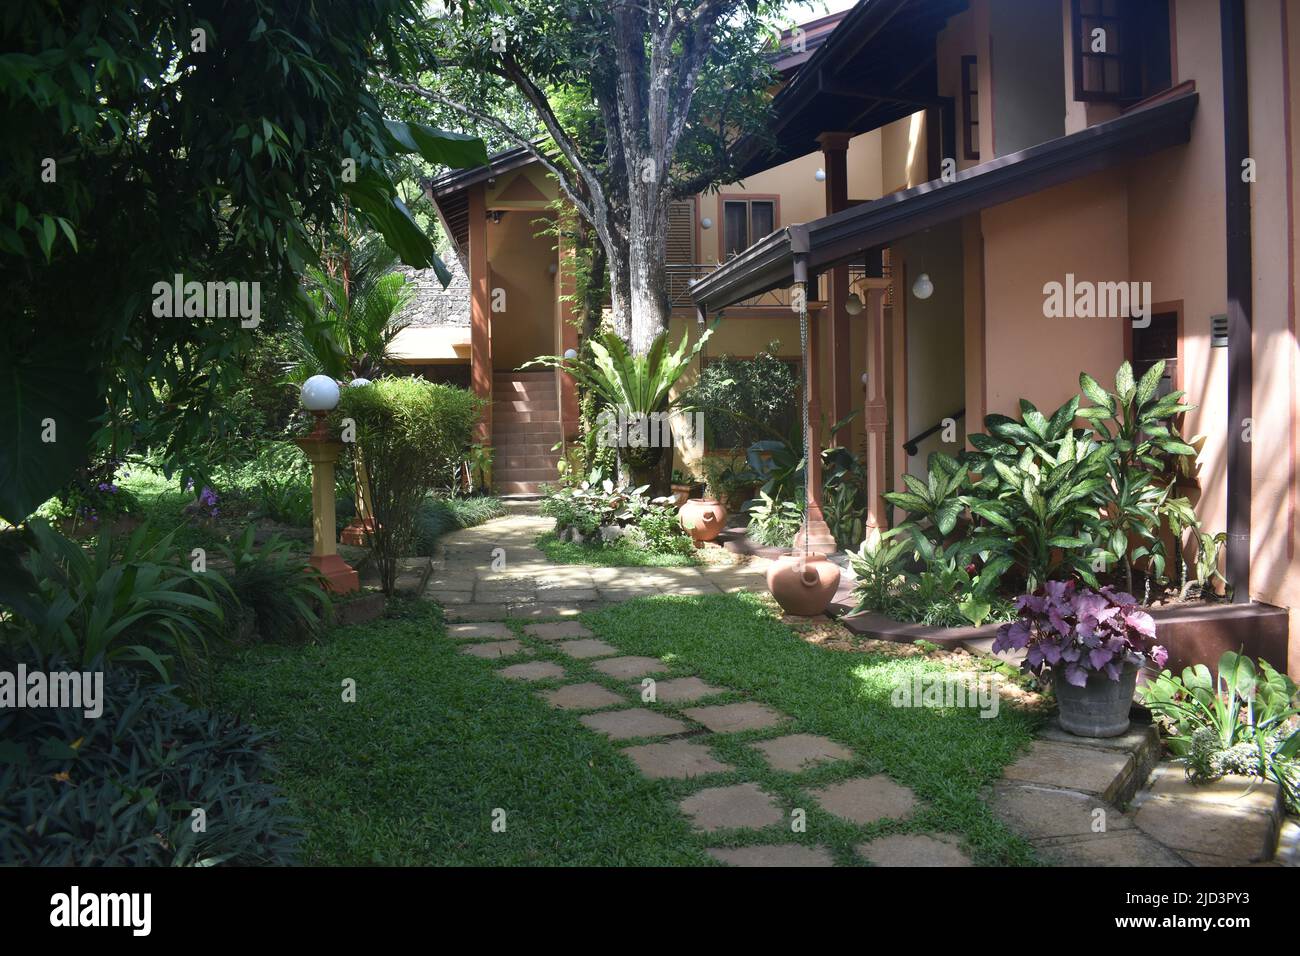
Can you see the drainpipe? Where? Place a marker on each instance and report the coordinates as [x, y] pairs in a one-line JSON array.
[[1236, 145]]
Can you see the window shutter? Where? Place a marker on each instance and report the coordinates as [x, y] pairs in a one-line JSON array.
[[681, 231]]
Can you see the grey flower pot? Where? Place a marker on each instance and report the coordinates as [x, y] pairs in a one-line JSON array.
[[1098, 709]]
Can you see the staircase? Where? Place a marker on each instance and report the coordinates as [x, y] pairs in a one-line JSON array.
[[525, 427]]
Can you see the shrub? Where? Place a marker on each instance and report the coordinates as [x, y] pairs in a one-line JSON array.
[[438, 516], [746, 400], [774, 523], [411, 432], [274, 594], [1080, 633], [642, 522], [130, 602], [120, 789]]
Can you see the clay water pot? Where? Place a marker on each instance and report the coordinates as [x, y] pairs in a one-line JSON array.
[[703, 518], [803, 584]]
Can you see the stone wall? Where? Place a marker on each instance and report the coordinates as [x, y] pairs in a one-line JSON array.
[[432, 305]]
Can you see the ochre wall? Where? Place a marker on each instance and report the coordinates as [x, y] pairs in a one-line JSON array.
[[518, 261]]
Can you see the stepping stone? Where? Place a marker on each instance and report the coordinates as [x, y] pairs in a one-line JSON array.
[[683, 690], [1072, 767], [589, 647], [627, 594], [478, 612], [533, 670], [799, 751], [586, 696], [1041, 813], [568, 594], [490, 630], [914, 849], [1233, 820], [536, 612], [449, 582], [637, 722], [731, 808], [557, 630], [866, 799], [679, 759], [496, 649], [729, 718], [781, 854], [625, 668]]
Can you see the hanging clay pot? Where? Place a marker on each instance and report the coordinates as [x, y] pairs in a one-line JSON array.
[[703, 518], [803, 584]]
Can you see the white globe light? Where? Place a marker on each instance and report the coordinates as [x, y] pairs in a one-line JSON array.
[[923, 288], [706, 223], [358, 382], [320, 393], [570, 353], [853, 304], [820, 175]]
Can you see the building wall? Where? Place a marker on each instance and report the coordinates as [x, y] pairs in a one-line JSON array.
[[518, 260], [1028, 80]]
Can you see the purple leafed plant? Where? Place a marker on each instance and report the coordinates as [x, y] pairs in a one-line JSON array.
[[1079, 632]]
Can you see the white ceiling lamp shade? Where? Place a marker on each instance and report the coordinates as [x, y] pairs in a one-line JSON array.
[[570, 354], [853, 304], [706, 223], [320, 393], [923, 288], [820, 175]]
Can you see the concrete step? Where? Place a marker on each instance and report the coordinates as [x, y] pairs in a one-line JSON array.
[[534, 393], [525, 405], [505, 459], [509, 446], [533, 432], [525, 474], [529, 374], [517, 487], [548, 416]]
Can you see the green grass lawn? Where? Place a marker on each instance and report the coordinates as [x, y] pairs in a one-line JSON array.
[[609, 556], [412, 771]]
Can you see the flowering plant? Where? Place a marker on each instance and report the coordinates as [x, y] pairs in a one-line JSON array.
[[1079, 632]]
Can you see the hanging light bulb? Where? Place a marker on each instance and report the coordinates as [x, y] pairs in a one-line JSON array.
[[820, 175], [853, 304], [923, 288]]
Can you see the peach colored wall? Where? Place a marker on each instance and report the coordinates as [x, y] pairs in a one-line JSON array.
[[518, 260], [1079, 228]]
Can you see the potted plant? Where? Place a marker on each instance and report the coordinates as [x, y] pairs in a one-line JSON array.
[[683, 482], [704, 518], [1093, 642]]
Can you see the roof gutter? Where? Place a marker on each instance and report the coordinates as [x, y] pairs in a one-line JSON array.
[[1236, 147]]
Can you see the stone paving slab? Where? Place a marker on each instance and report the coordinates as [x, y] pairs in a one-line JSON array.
[[478, 612], [557, 630], [676, 759], [682, 690], [637, 722], [567, 595], [1231, 821], [743, 805], [496, 649], [586, 696], [914, 849], [1072, 767], [626, 668], [447, 598], [627, 594], [1128, 847], [459, 581], [865, 800], [1046, 813], [779, 854], [797, 752], [585, 648], [479, 630], [536, 612], [730, 718], [533, 670]]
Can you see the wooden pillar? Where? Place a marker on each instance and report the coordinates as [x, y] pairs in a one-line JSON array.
[[480, 314], [567, 333], [835, 147], [875, 410], [815, 529]]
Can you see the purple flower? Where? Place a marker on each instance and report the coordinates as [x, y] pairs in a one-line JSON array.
[[1159, 655]]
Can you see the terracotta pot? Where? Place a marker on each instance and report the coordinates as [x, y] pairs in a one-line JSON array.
[[803, 584], [703, 518]]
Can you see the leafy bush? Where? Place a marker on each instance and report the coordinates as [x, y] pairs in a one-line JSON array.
[[1080, 633], [774, 523], [746, 400], [438, 516], [121, 789], [274, 595], [411, 432], [134, 601], [599, 512], [1240, 721]]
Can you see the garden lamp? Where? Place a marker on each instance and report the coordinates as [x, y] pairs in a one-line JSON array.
[[320, 395]]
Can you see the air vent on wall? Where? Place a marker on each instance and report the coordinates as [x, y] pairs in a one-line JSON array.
[[1219, 331]]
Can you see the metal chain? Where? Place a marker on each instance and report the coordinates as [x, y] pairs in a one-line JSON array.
[[807, 462]]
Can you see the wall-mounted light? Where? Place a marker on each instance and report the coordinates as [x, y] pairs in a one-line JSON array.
[[570, 354], [820, 175], [853, 304], [495, 215], [706, 223], [923, 288], [864, 379]]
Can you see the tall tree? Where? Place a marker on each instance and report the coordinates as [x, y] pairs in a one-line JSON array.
[[635, 103]]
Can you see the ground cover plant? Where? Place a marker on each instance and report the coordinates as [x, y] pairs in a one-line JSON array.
[[443, 514], [599, 522]]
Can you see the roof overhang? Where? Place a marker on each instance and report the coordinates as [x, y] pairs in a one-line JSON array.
[[802, 250]]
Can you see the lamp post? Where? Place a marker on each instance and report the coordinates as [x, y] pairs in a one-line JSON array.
[[320, 394]]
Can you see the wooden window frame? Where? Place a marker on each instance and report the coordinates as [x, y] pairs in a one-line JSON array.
[[1080, 55], [970, 117], [748, 199]]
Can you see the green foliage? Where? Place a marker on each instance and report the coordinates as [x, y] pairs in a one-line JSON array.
[[1240, 720], [274, 594], [728, 479], [412, 432], [600, 515], [219, 164], [441, 515], [844, 496], [774, 523], [132, 601], [745, 400], [118, 790]]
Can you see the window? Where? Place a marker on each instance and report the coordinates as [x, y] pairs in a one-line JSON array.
[[970, 106], [1121, 49], [681, 249], [744, 222]]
